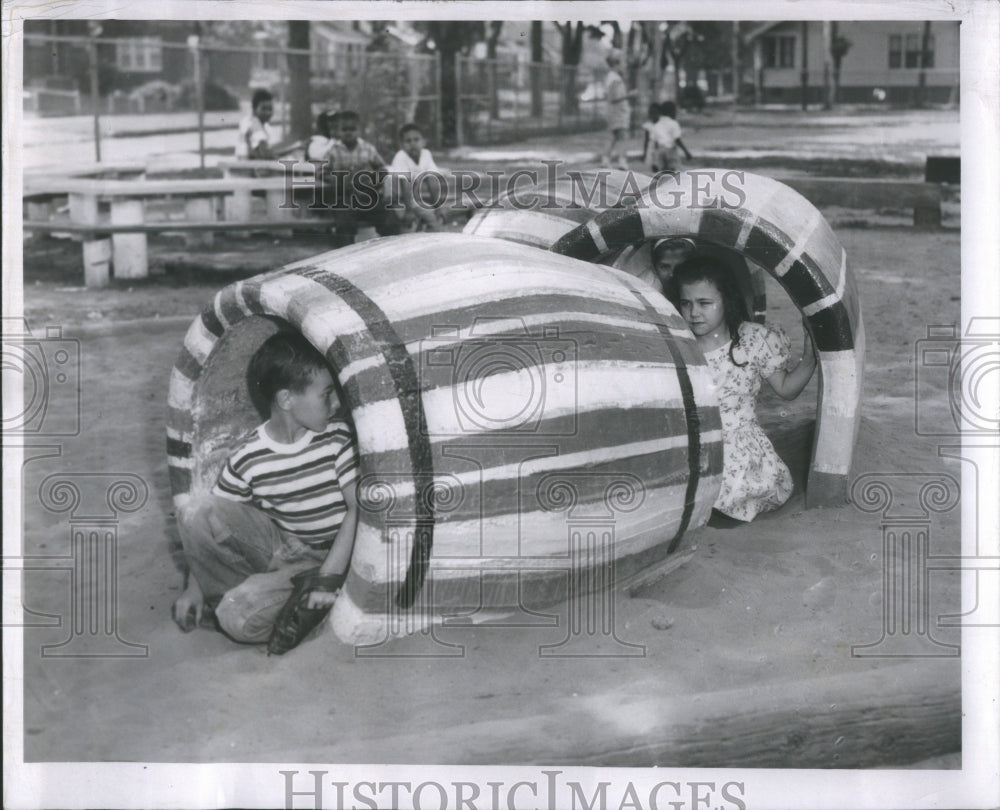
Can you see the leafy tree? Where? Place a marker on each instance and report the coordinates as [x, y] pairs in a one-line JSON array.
[[449, 38]]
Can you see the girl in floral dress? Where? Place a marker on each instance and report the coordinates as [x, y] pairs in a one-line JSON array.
[[740, 354]]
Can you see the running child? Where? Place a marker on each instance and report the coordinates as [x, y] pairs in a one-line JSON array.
[[270, 547], [740, 354], [664, 144]]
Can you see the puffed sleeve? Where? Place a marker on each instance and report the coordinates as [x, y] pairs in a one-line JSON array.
[[771, 350]]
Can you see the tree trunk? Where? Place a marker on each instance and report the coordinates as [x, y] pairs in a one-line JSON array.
[[537, 57], [734, 56], [837, 57], [300, 114], [572, 47], [491, 54]]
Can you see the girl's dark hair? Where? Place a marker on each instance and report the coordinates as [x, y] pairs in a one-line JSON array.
[[669, 109], [286, 360], [653, 112], [734, 305], [259, 97], [407, 128]]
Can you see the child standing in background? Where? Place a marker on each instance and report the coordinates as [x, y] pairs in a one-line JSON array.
[[740, 354]]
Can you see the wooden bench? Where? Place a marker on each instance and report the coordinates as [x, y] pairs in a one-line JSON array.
[[98, 250], [855, 192], [128, 226]]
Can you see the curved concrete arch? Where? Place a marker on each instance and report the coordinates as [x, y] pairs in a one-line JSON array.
[[781, 231], [507, 402]]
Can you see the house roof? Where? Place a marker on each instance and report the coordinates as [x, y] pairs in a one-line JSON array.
[[338, 32], [763, 28]]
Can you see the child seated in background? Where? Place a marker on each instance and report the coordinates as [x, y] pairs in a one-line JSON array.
[[409, 166], [323, 137], [663, 139], [357, 172], [270, 547]]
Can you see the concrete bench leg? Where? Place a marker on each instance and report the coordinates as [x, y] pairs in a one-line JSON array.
[[40, 211], [97, 262], [83, 210], [927, 214], [238, 206], [199, 209], [131, 255]]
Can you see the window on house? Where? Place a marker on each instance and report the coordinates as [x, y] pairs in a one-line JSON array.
[[905, 51], [779, 51], [895, 51], [139, 55]]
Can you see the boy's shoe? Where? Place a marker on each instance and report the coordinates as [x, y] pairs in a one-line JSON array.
[[296, 621]]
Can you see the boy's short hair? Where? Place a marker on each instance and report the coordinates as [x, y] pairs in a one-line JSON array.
[[668, 108], [286, 360], [348, 115], [411, 127], [260, 96]]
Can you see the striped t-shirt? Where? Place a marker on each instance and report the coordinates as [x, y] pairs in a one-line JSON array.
[[299, 485]]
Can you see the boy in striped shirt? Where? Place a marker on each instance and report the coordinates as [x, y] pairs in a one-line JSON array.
[[283, 504]]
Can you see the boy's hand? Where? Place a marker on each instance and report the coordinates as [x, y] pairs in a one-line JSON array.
[[321, 599], [188, 608]]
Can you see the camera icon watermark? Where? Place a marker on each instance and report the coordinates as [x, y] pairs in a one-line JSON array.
[[44, 367], [967, 369], [500, 376]]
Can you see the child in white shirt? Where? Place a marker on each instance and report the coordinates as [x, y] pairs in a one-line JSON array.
[[410, 167], [663, 139]]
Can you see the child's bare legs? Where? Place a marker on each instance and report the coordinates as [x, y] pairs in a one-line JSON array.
[[615, 157]]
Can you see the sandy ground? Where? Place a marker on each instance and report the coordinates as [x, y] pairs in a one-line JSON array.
[[741, 657]]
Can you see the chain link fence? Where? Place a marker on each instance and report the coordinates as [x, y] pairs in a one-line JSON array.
[[504, 100], [169, 87]]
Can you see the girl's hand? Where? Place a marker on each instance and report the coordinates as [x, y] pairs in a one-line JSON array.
[[808, 349]]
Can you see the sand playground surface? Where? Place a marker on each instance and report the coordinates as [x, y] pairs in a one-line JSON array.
[[774, 646]]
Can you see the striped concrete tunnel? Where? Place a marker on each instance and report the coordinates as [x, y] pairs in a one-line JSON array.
[[779, 230], [540, 213], [524, 420]]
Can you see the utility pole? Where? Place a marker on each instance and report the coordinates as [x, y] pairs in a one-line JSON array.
[[827, 67], [805, 65], [95, 89]]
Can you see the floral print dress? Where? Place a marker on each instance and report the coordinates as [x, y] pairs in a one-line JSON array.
[[754, 478]]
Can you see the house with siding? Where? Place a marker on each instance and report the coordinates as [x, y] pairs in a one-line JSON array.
[[881, 61]]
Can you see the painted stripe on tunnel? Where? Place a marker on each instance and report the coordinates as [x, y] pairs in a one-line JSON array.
[[406, 383]]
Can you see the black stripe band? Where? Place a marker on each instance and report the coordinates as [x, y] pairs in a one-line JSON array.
[[405, 381], [691, 418]]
